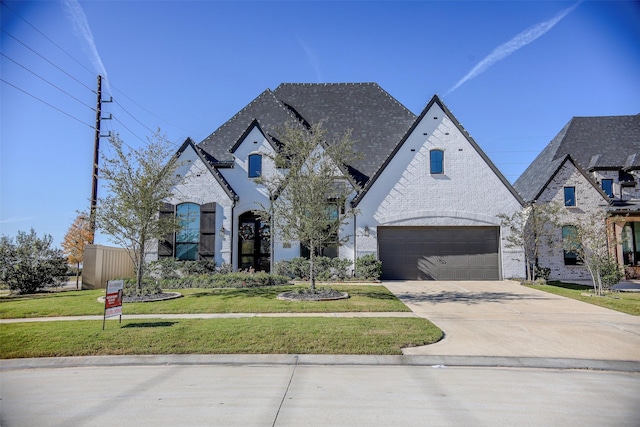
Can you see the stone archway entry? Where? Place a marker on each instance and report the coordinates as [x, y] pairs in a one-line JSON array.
[[254, 243]]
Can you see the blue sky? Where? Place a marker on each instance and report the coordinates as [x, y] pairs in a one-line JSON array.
[[513, 73]]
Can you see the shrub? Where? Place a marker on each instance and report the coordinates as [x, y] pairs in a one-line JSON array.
[[170, 268], [227, 280], [610, 273], [148, 287], [30, 263], [542, 273], [299, 268], [368, 267]]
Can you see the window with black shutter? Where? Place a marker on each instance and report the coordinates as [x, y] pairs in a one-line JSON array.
[[207, 230], [165, 246]]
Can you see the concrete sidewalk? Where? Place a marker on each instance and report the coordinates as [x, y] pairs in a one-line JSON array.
[[505, 319], [213, 316]]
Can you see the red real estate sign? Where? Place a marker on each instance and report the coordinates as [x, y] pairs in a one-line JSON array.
[[113, 300]]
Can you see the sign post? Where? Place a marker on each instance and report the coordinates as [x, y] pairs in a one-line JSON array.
[[113, 300]]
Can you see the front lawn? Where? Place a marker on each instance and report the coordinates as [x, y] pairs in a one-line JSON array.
[[625, 302], [226, 300], [309, 335]]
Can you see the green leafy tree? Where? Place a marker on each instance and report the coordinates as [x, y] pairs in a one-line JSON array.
[[309, 188], [30, 263], [589, 239], [531, 229], [138, 181]]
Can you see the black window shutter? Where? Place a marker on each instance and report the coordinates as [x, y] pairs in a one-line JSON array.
[[207, 230], [165, 246]]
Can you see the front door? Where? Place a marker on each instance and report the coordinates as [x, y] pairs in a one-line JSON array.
[[254, 248]]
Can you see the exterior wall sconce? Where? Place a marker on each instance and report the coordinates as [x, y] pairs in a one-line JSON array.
[[366, 231]]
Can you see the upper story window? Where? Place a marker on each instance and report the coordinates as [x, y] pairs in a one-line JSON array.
[[255, 165], [607, 187], [569, 196], [436, 162]]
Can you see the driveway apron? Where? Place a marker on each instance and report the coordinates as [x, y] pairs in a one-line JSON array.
[[504, 318]]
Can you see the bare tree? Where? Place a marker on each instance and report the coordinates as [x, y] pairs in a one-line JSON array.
[[138, 181], [530, 229], [308, 201]]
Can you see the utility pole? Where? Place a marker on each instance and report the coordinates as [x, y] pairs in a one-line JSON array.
[[96, 157]]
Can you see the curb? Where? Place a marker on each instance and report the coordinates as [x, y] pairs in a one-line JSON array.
[[437, 362]]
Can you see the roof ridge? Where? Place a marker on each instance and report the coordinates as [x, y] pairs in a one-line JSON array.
[[226, 123]]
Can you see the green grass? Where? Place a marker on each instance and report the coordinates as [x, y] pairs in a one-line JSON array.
[[248, 300], [312, 335], [625, 302]]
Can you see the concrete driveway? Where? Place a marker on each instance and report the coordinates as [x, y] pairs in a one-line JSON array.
[[503, 318]]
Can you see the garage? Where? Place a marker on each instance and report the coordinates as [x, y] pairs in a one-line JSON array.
[[439, 253]]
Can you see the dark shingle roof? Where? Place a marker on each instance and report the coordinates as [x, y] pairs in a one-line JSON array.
[[605, 142], [266, 110], [377, 120]]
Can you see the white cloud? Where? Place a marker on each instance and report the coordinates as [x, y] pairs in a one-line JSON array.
[[506, 49], [15, 219], [81, 26], [313, 60]]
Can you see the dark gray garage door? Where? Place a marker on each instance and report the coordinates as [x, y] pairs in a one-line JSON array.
[[439, 253]]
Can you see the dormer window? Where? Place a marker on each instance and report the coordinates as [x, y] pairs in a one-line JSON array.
[[436, 161], [607, 187], [255, 165]]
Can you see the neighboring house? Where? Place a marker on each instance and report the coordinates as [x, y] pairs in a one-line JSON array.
[[427, 197], [593, 162]]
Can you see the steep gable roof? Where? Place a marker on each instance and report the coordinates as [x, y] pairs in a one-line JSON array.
[[376, 120], [210, 164], [265, 110], [556, 165], [436, 100], [605, 142]]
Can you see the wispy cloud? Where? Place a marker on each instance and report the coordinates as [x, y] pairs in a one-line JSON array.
[[15, 219], [313, 60], [506, 49], [81, 26]]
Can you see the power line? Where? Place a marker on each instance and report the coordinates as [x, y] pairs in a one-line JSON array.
[[50, 62], [47, 81], [45, 102], [45, 36]]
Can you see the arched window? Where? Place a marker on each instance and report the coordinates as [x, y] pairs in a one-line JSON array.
[[255, 165], [188, 237], [436, 160]]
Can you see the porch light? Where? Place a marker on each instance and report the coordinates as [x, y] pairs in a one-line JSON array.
[[366, 230]]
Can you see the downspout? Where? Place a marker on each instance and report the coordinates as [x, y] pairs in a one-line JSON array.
[[355, 243], [233, 235]]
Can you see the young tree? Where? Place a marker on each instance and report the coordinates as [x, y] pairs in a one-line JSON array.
[[138, 180], [589, 239], [529, 229], [307, 201], [30, 263], [78, 235]]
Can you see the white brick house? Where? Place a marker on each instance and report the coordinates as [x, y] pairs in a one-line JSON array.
[[592, 163], [427, 196]]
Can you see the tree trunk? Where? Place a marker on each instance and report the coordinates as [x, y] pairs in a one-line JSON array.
[[312, 275], [78, 276], [140, 268]]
